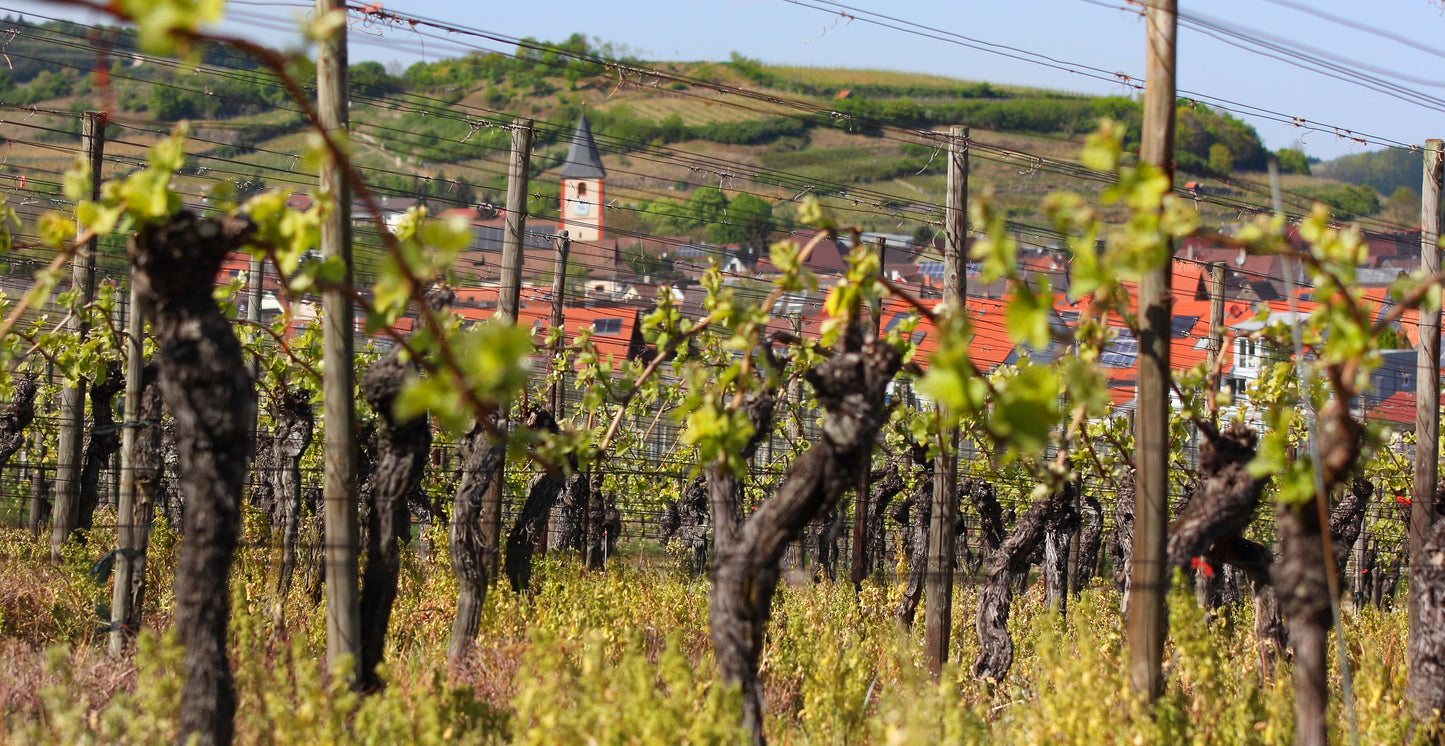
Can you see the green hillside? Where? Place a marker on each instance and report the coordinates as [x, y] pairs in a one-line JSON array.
[[1383, 170], [670, 140]]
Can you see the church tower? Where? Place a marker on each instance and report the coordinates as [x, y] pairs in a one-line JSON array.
[[582, 176]]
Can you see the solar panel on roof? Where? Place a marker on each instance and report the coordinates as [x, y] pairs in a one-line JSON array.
[[1120, 353], [1180, 326]]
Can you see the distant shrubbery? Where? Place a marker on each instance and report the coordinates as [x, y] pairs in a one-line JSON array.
[[1385, 170], [1348, 201]]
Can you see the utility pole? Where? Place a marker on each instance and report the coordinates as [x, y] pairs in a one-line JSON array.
[[338, 385], [938, 586], [72, 397], [121, 615], [508, 300], [1146, 620], [559, 318], [1427, 386], [1216, 324]]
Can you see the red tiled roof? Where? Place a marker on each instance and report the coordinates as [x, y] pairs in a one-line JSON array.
[[1399, 409]]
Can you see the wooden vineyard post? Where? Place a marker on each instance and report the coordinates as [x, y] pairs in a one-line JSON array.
[[508, 300], [66, 514], [255, 278], [938, 585], [558, 317], [557, 392], [517, 174], [1151, 424], [126, 522], [338, 387], [1427, 399]]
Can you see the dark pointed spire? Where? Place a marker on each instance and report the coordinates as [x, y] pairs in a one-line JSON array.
[[583, 160]]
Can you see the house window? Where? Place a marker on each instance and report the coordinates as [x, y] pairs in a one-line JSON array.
[[607, 326], [581, 189]]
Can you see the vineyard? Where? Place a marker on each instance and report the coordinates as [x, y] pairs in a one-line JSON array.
[[348, 404]]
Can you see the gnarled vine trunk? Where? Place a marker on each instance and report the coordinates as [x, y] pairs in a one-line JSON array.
[[293, 424], [531, 521], [17, 415], [886, 484], [481, 457], [102, 442], [569, 524], [827, 531], [851, 387], [1121, 539], [687, 521], [210, 394], [1256, 562], [1210, 524], [984, 498], [1091, 516], [146, 466], [1427, 646], [1011, 559], [1059, 528], [170, 498], [1347, 524], [604, 525], [1224, 502], [400, 457], [39, 492], [918, 511], [1300, 574]]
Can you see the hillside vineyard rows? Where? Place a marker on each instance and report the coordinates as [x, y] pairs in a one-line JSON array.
[[538, 393]]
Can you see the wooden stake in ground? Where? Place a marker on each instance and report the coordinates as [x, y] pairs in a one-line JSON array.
[[125, 530], [558, 317], [938, 589], [476, 522], [1427, 401], [338, 385], [1426, 644], [66, 515], [508, 299], [1151, 423], [255, 276], [1216, 324]]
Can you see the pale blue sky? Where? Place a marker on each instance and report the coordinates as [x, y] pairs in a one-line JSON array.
[[1076, 31]]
